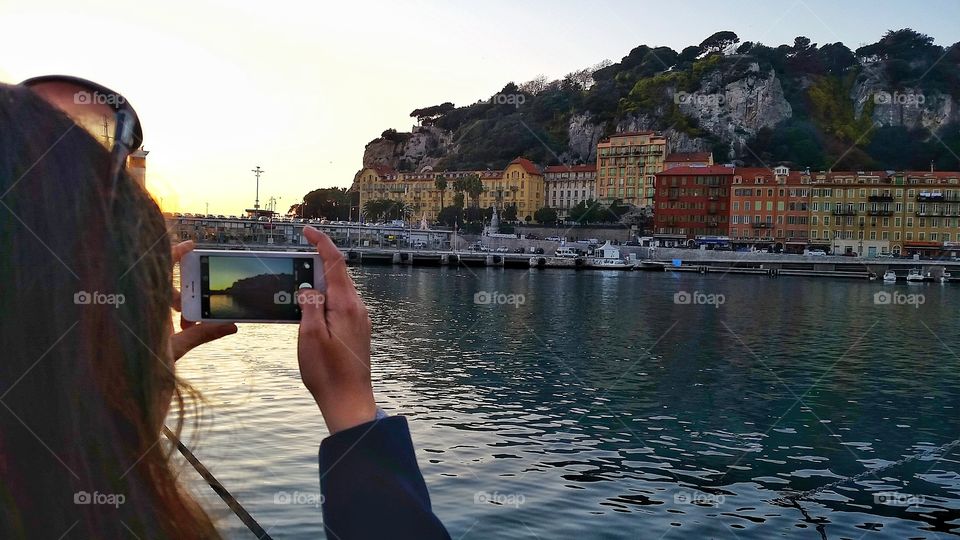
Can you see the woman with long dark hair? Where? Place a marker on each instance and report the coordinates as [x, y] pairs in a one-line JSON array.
[[87, 352]]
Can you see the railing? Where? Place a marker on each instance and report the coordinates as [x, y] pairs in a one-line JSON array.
[[879, 212], [938, 213], [761, 225], [937, 197], [844, 212], [880, 198]]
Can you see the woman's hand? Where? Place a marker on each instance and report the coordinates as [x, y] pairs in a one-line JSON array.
[[193, 334], [334, 344]]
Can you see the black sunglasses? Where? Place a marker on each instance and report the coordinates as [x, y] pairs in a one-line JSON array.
[[103, 113]]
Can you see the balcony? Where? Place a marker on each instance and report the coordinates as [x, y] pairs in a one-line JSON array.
[[879, 212], [880, 198], [938, 213], [761, 225], [844, 212], [937, 197]]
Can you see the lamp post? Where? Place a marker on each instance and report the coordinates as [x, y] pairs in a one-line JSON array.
[[256, 202]]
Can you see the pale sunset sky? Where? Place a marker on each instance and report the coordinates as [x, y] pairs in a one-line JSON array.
[[299, 88]]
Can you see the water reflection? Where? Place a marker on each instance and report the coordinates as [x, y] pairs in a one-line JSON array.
[[615, 412]]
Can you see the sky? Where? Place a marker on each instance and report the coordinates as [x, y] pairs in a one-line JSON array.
[[298, 88], [225, 271]]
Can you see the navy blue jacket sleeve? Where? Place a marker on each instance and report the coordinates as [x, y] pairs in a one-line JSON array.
[[372, 487]]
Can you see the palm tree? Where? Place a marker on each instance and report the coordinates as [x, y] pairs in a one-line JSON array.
[[441, 184]]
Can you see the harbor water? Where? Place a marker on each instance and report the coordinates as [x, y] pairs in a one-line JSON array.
[[605, 404]]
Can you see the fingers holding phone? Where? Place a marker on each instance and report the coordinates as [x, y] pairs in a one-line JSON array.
[[334, 343]]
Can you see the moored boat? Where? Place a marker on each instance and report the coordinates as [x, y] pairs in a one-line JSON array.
[[889, 276], [608, 257], [915, 275]]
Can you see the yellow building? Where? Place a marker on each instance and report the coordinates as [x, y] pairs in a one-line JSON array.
[[869, 213], [520, 184], [627, 165]]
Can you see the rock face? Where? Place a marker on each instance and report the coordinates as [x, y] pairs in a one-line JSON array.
[[423, 147], [735, 112], [911, 108]]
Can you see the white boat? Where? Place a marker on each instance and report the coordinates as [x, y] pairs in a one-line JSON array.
[[889, 276], [945, 277], [608, 257], [565, 253], [916, 275]]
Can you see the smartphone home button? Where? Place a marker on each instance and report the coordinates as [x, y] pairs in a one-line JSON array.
[[305, 286]]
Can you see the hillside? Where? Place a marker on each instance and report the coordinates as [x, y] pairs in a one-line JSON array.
[[892, 104]]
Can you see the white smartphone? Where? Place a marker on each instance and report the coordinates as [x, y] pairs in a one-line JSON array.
[[246, 286]]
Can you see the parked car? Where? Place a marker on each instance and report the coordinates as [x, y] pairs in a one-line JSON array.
[[502, 249], [419, 244], [552, 238], [521, 250], [817, 252], [538, 251], [885, 256]]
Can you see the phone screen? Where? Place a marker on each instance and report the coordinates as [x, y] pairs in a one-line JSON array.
[[253, 288]]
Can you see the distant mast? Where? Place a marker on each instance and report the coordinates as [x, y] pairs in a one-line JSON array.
[[256, 202]]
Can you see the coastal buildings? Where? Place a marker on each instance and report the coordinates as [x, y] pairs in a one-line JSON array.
[[520, 183], [569, 185], [627, 164], [865, 213]]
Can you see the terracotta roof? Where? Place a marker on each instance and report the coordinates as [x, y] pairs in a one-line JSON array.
[[527, 165], [384, 170], [589, 167], [631, 133], [687, 157], [688, 171]]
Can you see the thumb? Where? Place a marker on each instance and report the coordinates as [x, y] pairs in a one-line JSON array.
[[313, 312]]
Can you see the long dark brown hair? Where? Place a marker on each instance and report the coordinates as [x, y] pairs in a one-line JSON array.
[[85, 380]]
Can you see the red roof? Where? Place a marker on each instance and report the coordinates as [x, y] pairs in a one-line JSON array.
[[631, 133], [384, 170], [589, 167], [688, 157], [527, 165], [689, 171]]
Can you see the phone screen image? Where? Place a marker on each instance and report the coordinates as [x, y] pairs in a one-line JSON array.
[[252, 288]]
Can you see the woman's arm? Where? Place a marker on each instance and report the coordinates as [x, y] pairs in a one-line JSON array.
[[369, 477], [372, 487]]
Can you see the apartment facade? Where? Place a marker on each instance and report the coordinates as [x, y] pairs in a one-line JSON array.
[[568, 185], [627, 165], [769, 208], [692, 202]]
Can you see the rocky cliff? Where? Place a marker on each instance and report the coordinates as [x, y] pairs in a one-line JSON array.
[[801, 105]]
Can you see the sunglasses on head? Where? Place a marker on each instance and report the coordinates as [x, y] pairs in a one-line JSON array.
[[103, 113]]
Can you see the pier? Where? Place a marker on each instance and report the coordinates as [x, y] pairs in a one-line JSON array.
[[771, 265]]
